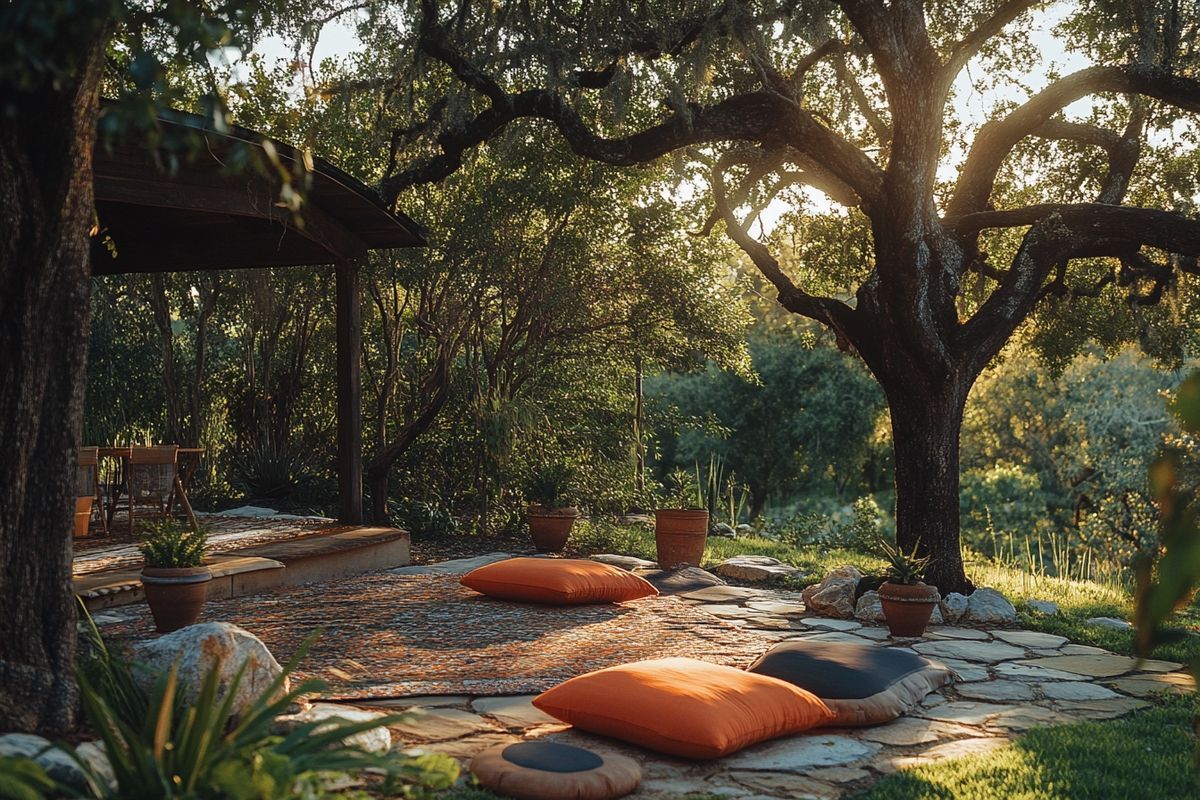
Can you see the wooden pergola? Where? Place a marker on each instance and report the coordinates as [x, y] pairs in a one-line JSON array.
[[203, 215]]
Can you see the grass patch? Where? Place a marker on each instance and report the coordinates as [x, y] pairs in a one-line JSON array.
[[600, 536], [1148, 754]]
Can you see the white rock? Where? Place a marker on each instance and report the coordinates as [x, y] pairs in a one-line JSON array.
[[624, 562], [953, 606], [57, 764], [868, 608], [375, 740], [834, 595], [989, 606], [1047, 607], [94, 755], [1110, 622], [745, 530], [198, 648], [755, 568]]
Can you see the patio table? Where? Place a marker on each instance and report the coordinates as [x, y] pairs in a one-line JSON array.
[[188, 465]]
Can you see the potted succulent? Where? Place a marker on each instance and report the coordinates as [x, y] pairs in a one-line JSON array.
[[174, 576], [907, 602], [680, 531], [551, 516]]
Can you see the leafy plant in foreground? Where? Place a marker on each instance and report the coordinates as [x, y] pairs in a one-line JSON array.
[[166, 749]]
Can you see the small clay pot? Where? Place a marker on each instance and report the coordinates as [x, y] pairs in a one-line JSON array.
[[83, 515], [907, 608], [550, 527], [679, 536], [175, 594]]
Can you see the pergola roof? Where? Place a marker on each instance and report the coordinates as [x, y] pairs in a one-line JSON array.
[[204, 215]]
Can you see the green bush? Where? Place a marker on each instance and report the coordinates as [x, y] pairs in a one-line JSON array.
[[168, 544], [425, 519]]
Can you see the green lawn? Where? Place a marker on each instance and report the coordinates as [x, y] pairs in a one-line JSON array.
[[1146, 755]]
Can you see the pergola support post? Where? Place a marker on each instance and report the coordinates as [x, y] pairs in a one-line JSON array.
[[349, 393]]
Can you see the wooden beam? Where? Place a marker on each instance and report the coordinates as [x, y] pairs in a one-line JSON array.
[[349, 393]]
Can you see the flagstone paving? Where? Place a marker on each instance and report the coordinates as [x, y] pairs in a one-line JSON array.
[[1009, 681]]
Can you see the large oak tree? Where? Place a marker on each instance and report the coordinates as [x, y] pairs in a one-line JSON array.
[[855, 99], [54, 57]]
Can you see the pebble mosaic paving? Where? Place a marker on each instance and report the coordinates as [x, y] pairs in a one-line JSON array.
[[389, 635]]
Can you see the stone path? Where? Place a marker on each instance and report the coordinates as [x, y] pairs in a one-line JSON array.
[[1009, 681]]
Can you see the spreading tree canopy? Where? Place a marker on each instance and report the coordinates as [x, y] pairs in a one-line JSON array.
[[970, 229]]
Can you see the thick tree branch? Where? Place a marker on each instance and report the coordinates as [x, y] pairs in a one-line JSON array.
[[762, 117], [996, 139], [1162, 229], [838, 316]]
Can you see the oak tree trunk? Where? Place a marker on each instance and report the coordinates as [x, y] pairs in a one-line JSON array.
[[926, 421], [46, 211]]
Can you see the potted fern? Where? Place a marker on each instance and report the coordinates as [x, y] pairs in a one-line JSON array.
[[551, 516], [907, 602], [174, 575], [681, 530]]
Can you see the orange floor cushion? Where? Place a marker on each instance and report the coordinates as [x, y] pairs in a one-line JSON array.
[[684, 707], [558, 581]]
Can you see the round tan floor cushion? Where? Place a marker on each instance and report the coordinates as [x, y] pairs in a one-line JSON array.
[[552, 771]]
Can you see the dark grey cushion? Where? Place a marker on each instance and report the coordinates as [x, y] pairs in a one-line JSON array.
[[864, 684]]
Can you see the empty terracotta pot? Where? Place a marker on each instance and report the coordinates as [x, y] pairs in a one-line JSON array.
[[679, 536], [551, 527]]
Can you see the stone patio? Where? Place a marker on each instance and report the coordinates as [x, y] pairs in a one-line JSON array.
[[1009, 681]]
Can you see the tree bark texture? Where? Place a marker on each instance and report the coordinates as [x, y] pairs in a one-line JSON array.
[[46, 211]]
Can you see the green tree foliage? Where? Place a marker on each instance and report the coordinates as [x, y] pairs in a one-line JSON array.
[[800, 424], [1068, 455]]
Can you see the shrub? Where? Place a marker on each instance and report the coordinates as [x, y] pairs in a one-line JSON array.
[[169, 545], [425, 519]]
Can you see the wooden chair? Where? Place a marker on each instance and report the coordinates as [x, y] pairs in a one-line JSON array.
[[151, 477], [87, 482]]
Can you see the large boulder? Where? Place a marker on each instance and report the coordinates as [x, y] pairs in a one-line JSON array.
[[375, 740], [953, 606], [197, 649], [755, 568], [834, 595], [990, 607], [745, 530], [869, 608]]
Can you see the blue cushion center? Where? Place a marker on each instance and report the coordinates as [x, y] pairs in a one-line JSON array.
[[551, 757]]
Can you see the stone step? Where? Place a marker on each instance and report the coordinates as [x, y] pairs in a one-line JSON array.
[[336, 555], [258, 569]]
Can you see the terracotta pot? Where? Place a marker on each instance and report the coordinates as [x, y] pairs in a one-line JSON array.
[[907, 608], [550, 527], [679, 535], [83, 515], [176, 595]]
